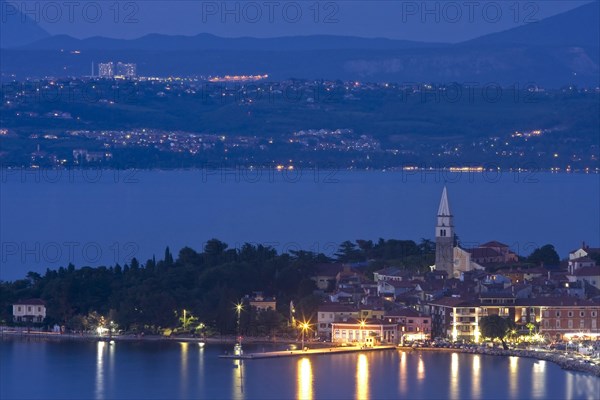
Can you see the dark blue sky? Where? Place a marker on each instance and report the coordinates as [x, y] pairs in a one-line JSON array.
[[442, 21]]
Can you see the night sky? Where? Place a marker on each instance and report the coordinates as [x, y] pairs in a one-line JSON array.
[[448, 21]]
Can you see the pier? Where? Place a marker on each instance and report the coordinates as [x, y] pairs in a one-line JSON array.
[[307, 352]]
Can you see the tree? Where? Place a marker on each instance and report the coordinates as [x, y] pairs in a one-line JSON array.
[[546, 255], [348, 252], [494, 327]]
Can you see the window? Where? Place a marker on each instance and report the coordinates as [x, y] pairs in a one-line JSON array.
[[425, 321], [546, 323], [29, 308], [39, 309], [582, 313], [546, 313], [410, 321], [581, 323], [570, 323], [570, 314], [558, 323], [558, 314], [594, 313], [19, 308]]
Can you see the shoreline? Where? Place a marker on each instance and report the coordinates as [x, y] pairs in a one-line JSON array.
[[556, 358], [149, 338]]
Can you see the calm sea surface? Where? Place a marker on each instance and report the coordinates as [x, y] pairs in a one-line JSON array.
[[98, 370], [51, 218]]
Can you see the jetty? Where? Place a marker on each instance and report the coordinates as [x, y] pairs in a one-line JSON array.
[[305, 352]]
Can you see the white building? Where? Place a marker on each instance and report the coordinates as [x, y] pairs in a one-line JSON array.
[[106, 70], [33, 310], [126, 70]]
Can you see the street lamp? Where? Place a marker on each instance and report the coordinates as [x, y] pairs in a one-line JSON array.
[[362, 326], [305, 326], [238, 308]]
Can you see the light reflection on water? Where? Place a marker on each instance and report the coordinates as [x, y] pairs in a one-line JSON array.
[[538, 388], [476, 378], [421, 369], [105, 367], [183, 371], [102, 370], [238, 380], [513, 376], [454, 377], [362, 377], [402, 379], [305, 379], [100, 384]]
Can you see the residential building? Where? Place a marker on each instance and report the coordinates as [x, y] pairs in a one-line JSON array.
[[106, 70], [359, 331], [415, 325], [261, 303], [325, 276], [330, 313], [126, 70], [32, 310], [591, 275]]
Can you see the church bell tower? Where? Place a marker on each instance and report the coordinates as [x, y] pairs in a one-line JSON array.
[[444, 237]]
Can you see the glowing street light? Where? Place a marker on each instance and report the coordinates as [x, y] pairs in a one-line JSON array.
[[304, 326], [362, 327], [239, 307]]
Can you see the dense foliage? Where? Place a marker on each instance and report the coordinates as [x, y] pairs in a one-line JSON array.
[[150, 296]]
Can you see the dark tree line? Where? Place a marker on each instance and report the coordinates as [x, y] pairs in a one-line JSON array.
[[147, 296]]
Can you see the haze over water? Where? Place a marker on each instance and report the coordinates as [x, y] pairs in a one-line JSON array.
[[103, 217]]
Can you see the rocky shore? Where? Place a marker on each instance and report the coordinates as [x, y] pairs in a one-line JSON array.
[[555, 357]]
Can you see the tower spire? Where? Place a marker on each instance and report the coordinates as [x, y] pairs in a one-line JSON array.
[[444, 209]]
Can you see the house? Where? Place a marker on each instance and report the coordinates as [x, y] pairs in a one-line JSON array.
[[325, 275], [32, 310], [262, 303], [507, 256], [363, 332], [415, 325], [391, 274], [590, 275], [581, 262], [330, 313], [396, 288], [584, 251]]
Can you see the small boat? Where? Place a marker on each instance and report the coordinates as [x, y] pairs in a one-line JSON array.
[[201, 343]]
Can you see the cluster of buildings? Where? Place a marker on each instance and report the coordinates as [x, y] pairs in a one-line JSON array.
[[449, 301], [120, 70], [339, 139]]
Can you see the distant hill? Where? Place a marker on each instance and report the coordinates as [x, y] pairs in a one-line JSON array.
[[205, 41], [17, 29], [560, 50], [578, 27]]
